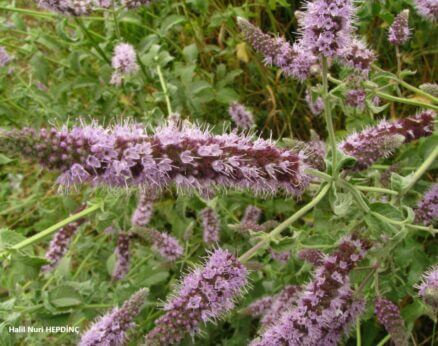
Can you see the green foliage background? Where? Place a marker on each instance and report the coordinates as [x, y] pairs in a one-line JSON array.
[[59, 76]]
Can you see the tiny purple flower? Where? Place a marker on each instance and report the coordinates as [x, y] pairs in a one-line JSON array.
[[428, 289], [210, 225], [205, 294], [427, 209], [122, 256], [124, 62], [399, 32], [111, 329], [241, 116], [165, 245], [388, 315], [428, 9]]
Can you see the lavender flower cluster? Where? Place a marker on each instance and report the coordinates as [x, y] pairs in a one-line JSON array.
[[124, 62], [311, 256], [293, 60], [205, 294], [316, 106], [281, 302], [399, 31], [326, 307], [428, 289], [326, 27], [380, 141], [111, 329], [259, 307], [241, 116], [122, 256], [5, 58], [59, 244], [188, 156], [210, 225], [165, 245], [427, 209], [85, 7], [143, 212], [388, 315], [428, 9], [357, 56]]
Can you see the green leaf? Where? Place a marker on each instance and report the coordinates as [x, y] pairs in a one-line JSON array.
[[399, 183], [4, 160], [191, 53], [64, 296]]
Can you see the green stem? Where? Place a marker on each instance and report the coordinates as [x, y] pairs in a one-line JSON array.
[[421, 170], [376, 189], [404, 100], [328, 116], [407, 85], [277, 230], [116, 21], [402, 223], [358, 335], [318, 174], [29, 12], [398, 57], [384, 340], [90, 37], [357, 195], [165, 90], [52, 229]]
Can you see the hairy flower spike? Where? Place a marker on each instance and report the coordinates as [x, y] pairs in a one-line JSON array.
[[316, 106], [143, 213], [388, 315], [428, 9], [122, 256], [430, 88], [326, 308], [357, 56], [242, 117], [69, 7], [356, 98], [399, 32], [259, 307], [124, 62], [312, 256], [428, 289], [210, 225], [205, 294], [250, 219], [282, 301], [380, 141], [5, 58], [111, 329], [327, 26], [60, 243], [427, 208], [167, 246], [188, 157], [294, 60]]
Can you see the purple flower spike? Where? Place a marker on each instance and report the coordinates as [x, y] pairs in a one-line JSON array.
[[357, 56], [326, 27], [427, 208], [60, 242], [242, 117], [5, 58], [388, 315], [111, 329], [143, 213], [282, 301], [69, 7], [280, 256], [190, 158], [316, 106], [205, 294], [326, 308], [399, 32], [294, 60], [122, 256], [356, 98], [135, 3], [259, 307], [428, 289], [312, 256], [167, 246], [382, 140], [210, 225], [124, 62], [428, 9]]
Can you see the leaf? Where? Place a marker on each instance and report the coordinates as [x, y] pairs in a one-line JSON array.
[[4, 160], [242, 52], [64, 296], [191, 53], [155, 278], [32, 261], [399, 183]]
